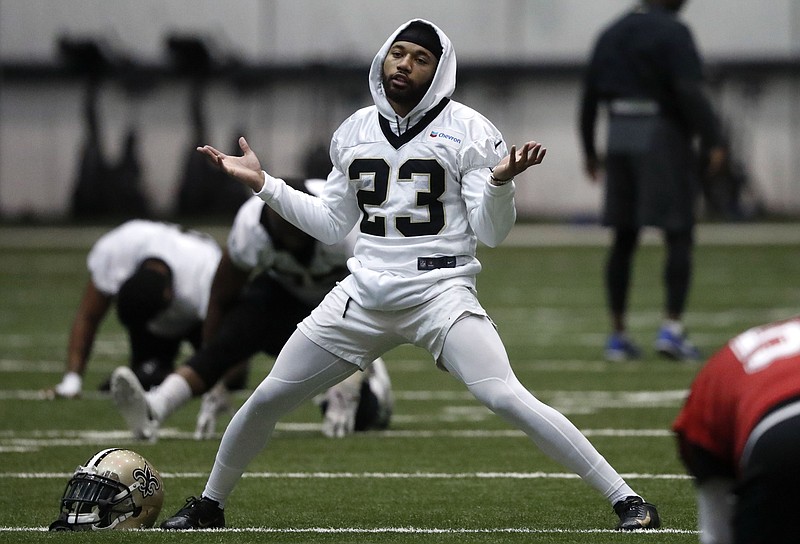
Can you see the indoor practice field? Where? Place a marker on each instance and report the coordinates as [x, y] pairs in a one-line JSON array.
[[447, 470]]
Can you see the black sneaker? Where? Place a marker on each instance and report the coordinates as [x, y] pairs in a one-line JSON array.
[[634, 514], [197, 513]]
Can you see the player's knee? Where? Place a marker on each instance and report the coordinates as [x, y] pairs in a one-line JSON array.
[[276, 397], [151, 372], [495, 395]]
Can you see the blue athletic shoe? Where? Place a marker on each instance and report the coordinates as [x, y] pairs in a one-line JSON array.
[[676, 346], [620, 348]]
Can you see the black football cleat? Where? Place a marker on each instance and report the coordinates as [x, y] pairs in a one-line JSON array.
[[197, 513], [635, 514]]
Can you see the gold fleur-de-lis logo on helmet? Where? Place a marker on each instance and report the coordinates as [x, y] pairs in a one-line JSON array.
[[148, 483]]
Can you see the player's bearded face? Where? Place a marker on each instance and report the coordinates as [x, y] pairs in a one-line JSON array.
[[408, 71]]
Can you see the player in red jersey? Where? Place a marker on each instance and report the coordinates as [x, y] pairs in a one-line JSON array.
[[739, 436]]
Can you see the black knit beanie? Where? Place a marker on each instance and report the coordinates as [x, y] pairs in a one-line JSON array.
[[423, 35]]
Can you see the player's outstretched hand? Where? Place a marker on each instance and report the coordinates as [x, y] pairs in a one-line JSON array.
[[340, 415], [516, 162], [246, 169], [341, 405], [216, 402], [68, 388]]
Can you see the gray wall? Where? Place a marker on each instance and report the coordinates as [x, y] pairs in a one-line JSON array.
[[42, 127], [329, 30]]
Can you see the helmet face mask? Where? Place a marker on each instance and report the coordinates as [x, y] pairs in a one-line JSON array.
[[116, 489], [92, 501]]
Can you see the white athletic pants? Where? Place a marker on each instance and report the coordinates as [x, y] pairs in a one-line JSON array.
[[472, 352]]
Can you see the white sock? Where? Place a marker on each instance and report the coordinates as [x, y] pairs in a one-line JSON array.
[[165, 399], [621, 493], [674, 326]]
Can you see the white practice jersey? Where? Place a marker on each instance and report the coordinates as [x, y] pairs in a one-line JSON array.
[[415, 188], [192, 256], [251, 248]]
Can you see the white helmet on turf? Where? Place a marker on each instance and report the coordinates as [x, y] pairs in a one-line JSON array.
[[115, 489]]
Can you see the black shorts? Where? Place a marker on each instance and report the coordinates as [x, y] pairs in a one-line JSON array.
[[768, 490], [651, 177], [153, 357], [262, 320]]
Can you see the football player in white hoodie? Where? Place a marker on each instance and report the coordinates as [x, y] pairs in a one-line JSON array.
[[424, 178]]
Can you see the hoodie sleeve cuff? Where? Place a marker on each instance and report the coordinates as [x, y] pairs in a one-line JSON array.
[[500, 190], [269, 188]]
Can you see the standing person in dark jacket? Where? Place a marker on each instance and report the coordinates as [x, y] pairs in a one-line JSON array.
[[645, 69]]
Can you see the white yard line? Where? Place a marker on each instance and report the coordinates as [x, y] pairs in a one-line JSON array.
[[395, 530], [622, 399], [523, 234], [33, 441], [368, 475], [532, 235]]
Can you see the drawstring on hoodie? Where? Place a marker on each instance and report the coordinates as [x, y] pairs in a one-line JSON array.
[[399, 130]]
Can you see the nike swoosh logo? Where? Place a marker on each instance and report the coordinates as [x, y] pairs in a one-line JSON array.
[[646, 521], [498, 144], [205, 524]]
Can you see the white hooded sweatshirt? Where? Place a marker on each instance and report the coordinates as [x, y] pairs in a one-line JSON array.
[[419, 185]]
